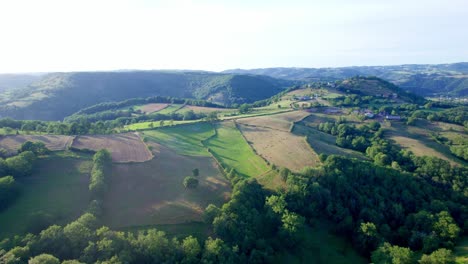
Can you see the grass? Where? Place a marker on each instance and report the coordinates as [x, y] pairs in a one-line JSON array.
[[152, 192], [169, 109], [184, 140], [417, 139], [231, 150], [56, 193], [461, 251], [320, 246], [156, 124]]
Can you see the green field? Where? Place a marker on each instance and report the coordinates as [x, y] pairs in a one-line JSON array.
[[320, 246], [461, 251], [56, 193], [169, 109], [147, 125], [231, 149], [183, 139]]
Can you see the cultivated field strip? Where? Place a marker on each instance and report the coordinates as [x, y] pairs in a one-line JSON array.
[[282, 121], [151, 108], [123, 147], [52, 142], [281, 148]]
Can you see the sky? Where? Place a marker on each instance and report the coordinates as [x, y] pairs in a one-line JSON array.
[[85, 35]]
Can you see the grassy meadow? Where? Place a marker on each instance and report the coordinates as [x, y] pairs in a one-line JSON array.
[[56, 193], [230, 148], [184, 140]]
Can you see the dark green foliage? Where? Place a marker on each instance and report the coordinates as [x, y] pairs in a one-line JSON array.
[[244, 108], [195, 172], [8, 191], [190, 182], [373, 204], [392, 254], [21, 165], [98, 181], [37, 148]]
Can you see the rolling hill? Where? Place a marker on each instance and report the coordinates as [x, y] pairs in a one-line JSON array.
[[423, 79], [57, 95]]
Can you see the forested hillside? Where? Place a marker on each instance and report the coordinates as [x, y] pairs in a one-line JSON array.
[[58, 95], [423, 79]]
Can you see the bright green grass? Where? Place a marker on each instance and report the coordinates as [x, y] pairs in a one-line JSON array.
[[147, 125], [231, 149], [320, 246], [56, 193], [461, 251], [184, 140]]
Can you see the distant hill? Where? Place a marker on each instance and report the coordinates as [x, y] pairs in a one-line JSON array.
[[423, 79], [377, 87], [58, 95], [12, 81]]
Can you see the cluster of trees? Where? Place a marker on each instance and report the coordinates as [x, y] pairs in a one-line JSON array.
[[374, 205], [456, 115], [98, 181], [460, 151], [351, 100], [20, 165], [350, 136]]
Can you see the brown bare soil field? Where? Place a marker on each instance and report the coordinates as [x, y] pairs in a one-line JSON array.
[[281, 121], [152, 192], [150, 108], [281, 148], [123, 147], [52, 142]]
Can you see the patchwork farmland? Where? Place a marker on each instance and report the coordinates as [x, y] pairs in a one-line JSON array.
[[155, 191], [53, 142]]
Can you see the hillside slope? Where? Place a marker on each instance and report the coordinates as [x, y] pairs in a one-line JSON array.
[[423, 79], [57, 95]]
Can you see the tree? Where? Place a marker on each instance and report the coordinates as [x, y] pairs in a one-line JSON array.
[[189, 115], [195, 172], [191, 249], [44, 259], [8, 191], [37, 148], [244, 108], [440, 256], [190, 182], [21, 165], [392, 254]]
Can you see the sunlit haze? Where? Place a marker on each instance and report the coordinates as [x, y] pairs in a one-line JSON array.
[[60, 35]]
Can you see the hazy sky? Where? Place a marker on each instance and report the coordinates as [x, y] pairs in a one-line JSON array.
[[68, 35]]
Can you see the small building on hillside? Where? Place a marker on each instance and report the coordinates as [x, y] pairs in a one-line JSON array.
[[393, 117]]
